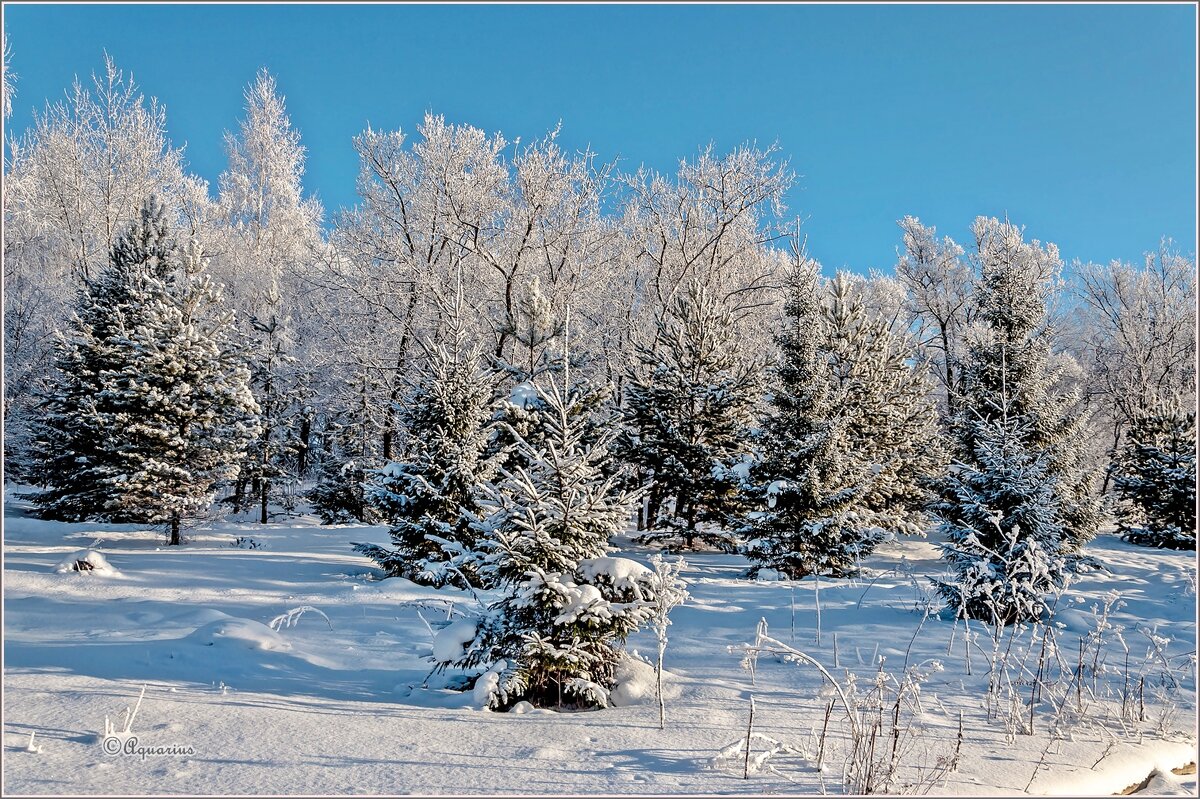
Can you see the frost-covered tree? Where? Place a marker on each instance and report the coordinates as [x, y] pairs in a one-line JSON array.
[[1137, 336], [150, 405], [1002, 516], [7, 80], [349, 435], [688, 410], [556, 632], [431, 498], [670, 591], [1011, 355], [1155, 478], [270, 248], [849, 440], [450, 198], [939, 282]]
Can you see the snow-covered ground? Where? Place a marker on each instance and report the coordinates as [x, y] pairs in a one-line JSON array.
[[234, 704]]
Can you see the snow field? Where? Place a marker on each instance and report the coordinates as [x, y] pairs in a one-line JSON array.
[[305, 709]]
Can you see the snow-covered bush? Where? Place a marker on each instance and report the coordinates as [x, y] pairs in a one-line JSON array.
[[339, 496], [85, 561]]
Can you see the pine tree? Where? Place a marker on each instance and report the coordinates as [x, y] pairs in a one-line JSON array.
[[848, 443], [428, 499], [150, 406], [1003, 519], [557, 630], [688, 410], [1155, 479], [1013, 355]]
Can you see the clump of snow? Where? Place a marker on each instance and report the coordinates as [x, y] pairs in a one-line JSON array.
[[521, 707], [776, 488], [769, 575], [524, 395], [621, 573], [86, 561], [243, 633], [451, 641], [487, 685], [582, 598]]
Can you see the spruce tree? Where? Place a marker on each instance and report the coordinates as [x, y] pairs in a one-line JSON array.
[[1012, 357], [848, 442], [150, 405], [688, 411], [1003, 519], [428, 498], [1155, 479], [555, 634]]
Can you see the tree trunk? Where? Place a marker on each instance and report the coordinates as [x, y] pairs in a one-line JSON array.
[[302, 450], [175, 529], [264, 490]]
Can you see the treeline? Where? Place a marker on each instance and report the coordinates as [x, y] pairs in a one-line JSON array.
[[504, 339]]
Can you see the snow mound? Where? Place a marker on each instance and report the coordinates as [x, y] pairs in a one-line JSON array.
[[239, 633], [451, 642], [86, 561], [769, 575], [635, 683]]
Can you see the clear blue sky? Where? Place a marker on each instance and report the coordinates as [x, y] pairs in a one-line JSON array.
[[1079, 121]]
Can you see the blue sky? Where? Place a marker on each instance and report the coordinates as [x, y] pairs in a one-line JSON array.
[[1078, 121]]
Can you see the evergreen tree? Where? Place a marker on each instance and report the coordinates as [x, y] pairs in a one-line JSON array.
[[1012, 356], [556, 632], [349, 450], [1155, 479], [1002, 516], [428, 499], [688, 410], [339, 497], [150, 405], [848, 443]]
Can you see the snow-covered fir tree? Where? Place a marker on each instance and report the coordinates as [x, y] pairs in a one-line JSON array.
[[429, 499], [1012, 354], [688, 411], [1155, 478], [150, 405], [1003, 518], [849, 440], [556, 633]]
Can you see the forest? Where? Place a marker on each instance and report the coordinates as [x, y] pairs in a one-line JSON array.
[[509, 371]]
